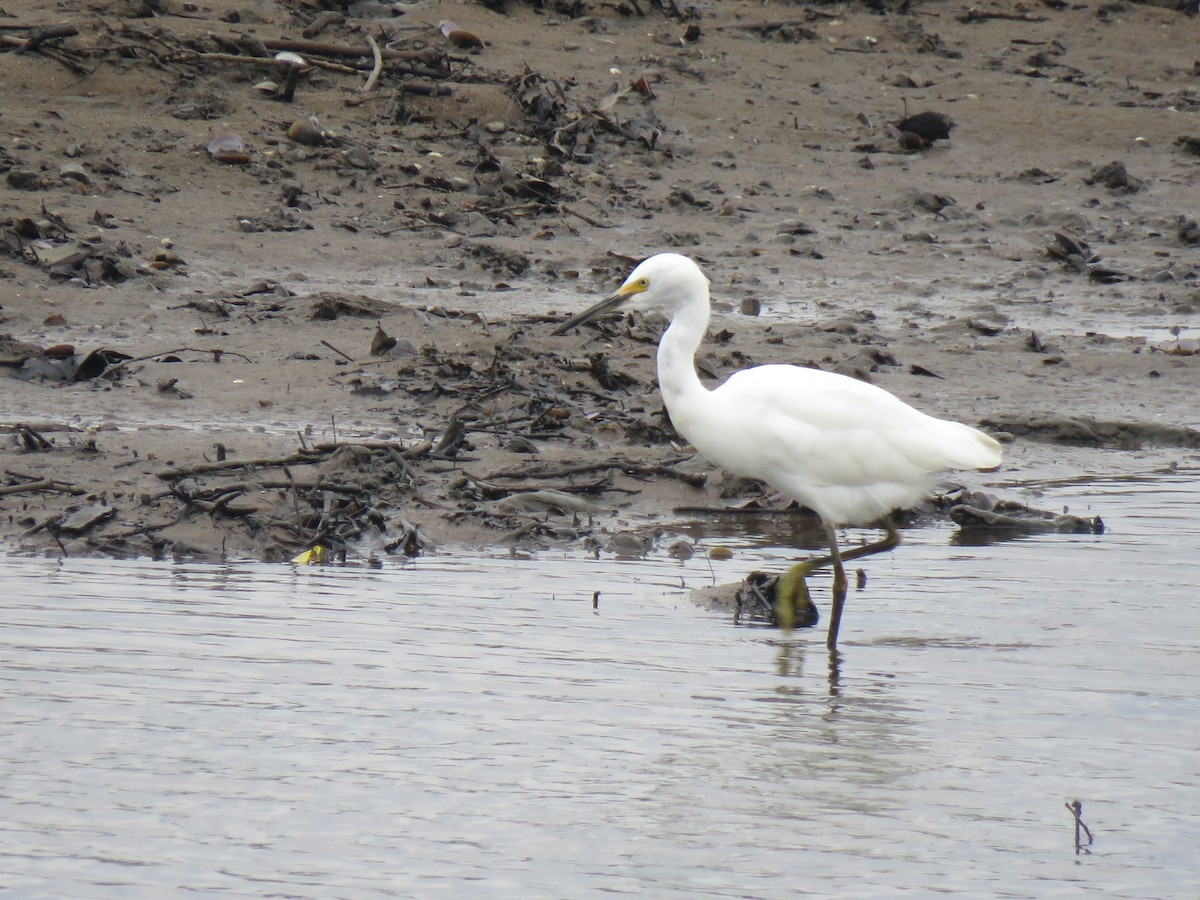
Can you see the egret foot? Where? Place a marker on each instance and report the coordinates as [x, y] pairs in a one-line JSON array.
[[792, 601]]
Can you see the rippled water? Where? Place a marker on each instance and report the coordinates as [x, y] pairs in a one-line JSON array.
[[473, 727]]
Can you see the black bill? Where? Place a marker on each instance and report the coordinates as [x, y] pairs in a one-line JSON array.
[[610, 302]]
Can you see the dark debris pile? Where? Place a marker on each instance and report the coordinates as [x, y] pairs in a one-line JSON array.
[[485, 418]]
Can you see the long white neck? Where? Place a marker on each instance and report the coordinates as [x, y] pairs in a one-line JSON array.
[[677, 379]]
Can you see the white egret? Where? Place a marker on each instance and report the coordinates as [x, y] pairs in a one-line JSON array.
[[848, 450]]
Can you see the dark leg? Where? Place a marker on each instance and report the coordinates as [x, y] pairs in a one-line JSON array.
[[839, 588], [887, 542], [792, 585]]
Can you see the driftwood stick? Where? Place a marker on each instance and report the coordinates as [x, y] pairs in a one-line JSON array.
[[627, 466], [298, 458], [425, 90], [58, 54], [345, 356], [374, 76], [414, 452], [289, 84], [246, 487], [595, 223], [41, 34], [980, 15], [188, 55], [42, 484], [345, 51], [319, 453], [321, 22]]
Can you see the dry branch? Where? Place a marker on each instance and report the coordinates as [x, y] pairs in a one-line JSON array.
[[374, 76], [43, 484]]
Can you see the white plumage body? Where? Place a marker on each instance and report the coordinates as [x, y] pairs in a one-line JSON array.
[[846, 449]]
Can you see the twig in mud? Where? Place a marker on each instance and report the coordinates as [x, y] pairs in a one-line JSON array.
[[191, 55], [345, 356], [980, 15], [345, 51], [452, 436], [1076, 809], [43, 484], [425, 90], [59, 54], [416, 451], [629, 468], [40, 35], [216, 355], [374, 76], [47, 525], [398, 458], [289, 86], [595, 223], [763, 28], [598, 486], [248, 486], [421, 90], [298, 458], [32, 440], [734, 511], [321, 22]]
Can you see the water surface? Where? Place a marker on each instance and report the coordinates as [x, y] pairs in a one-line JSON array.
[[465, 726]]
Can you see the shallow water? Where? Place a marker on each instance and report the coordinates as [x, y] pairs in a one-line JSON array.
[[473, 727]]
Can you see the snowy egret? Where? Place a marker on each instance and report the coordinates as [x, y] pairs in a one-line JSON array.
[[848, 450]]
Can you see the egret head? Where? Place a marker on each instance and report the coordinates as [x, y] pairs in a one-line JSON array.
[[662, 283]]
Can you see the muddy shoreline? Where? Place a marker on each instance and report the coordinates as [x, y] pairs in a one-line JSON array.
[[347, 342]]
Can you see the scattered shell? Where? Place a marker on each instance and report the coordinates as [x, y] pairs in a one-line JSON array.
[[306, 131], [360, 158], [165, 259], [267, 87], [459, 37], [74, 172], [294, 59], [228, 147]]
